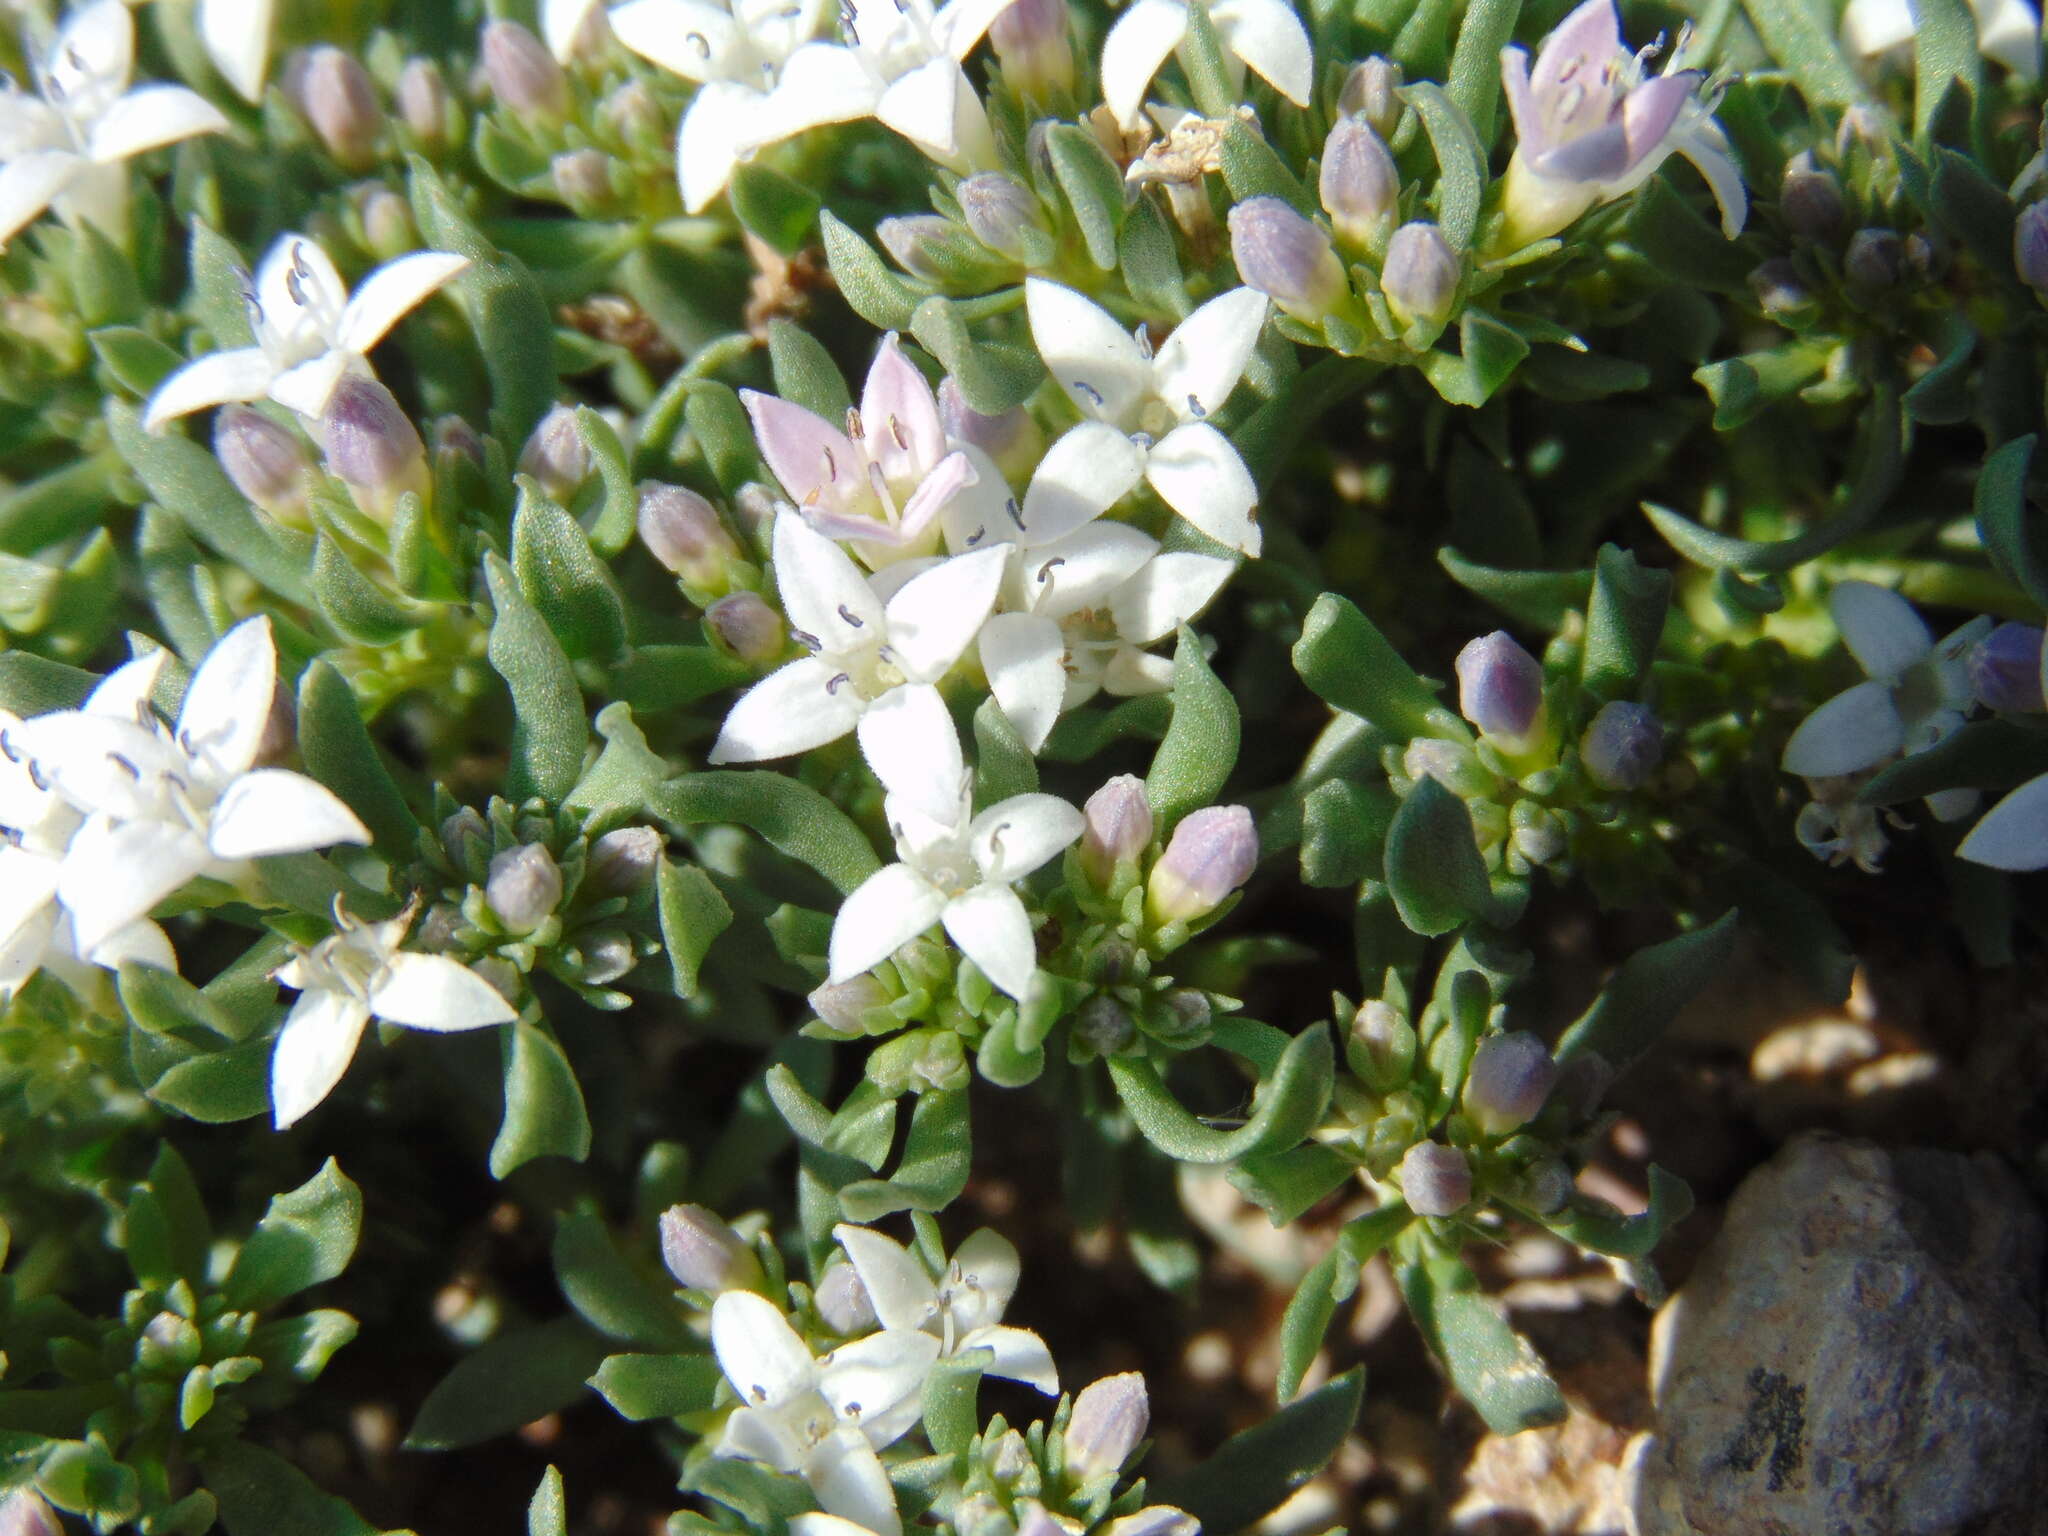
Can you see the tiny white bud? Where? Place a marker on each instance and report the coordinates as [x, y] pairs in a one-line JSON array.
[[523, 75], [1212, 853], [267, 462], [743, 626], [606, 958], [1810, 200], [1420, 276], [524, 887], [843, 1301], [556, 455], [372, 446], [1382, 1046], [2030, 246], [1103, 1025], [1358, 181], [1031, 43], [1622, 746], [1510, 1078], [919, 242], [1013, 441], [423, 102], [998, 209], [2005, 671], [336, 96], [387, 221], [583, 180], [704, 1253], [1155, 1520], [623, 860], [1110, 1417], [1875, 260], [1435, 1179], [1372, 91], [1286, 257], [845, 1004], [1500, 689], [684, 532], [1116, 829]]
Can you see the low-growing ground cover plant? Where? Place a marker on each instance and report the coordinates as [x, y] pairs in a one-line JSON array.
[[689, 688]]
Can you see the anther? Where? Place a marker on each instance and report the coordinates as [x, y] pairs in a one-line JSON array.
[[1016, 512], [896, 431], [1094, 395], [851, 617], [127, 767], [832, 687], [1196, 409], [806, 639]]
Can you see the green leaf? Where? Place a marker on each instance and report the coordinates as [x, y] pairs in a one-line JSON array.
[[301, 1346], [1251, 168], [1646, 992], [355, 605], [35, 685], [544, 1113], [1985, 754], [1539, 599], [876, 294], [57, 506], [1800, 35], [1488, 354], [1344, 832], [805, 374], [934, 1168], [658, 677], [337, 750], [1285, 1184], [218, 1087], [518, 1377], [262, 1494], [137, 360], [561, 576], [792, 816], [1460, 159], [992, 375], [1257, 1469], [1434, 868], [1342, 656], [772, 207], [1944, 51], [1150, 261], [1003, 765], [951, 1420], [643, 1387], [1491, 1365], [308, 1235], [1682, 245], [1286, 1106], [1488, 27], [1597, 1226], [1094, 189], [693, 915], [1624, 621], [548, 1513], [2009, 526], [718, 423], [220, 287], [166, 1003], [608, 1291], [549, 732], [1194, 760], [1334, 1280]]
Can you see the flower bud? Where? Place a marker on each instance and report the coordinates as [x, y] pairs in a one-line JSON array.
[[634, 113], [684, 532], [1874, 260], [583, 180], [1155, 1520], [1372, 91], [1103, 1025], [456, 438], [1547, 1186], [1500, 689], [1186, 1013], [372, 446], [843, 1301], [25, 1513], [464, 831], [2005, 670], [2030, 246], [266, 462], [1928, 256], [920, 242], [523, 75], [623, 861], [705, 1254], [845, 1005], [1031, 43], [1116, 829], [556, 455], [1452, 764], [1420, 276], [423, 102], [1359, 183], [1213, 852], [1782, 293], [1539, 834], [1510, 1077], [1381, 1047], [980, 1515], [524, 887], [1435, 1179], [1034, 1521], [743, 626], [1286, 257], [1110, 1417], [1013, 441], [386, 218], [1810, 201], [334, 93], [1622, 746], [998, 210]]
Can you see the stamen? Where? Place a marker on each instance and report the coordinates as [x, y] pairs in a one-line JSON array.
[[855, 427], [977, 536], [7, 748], [35, 776], [896, 431], [832, 687], [851, 617], [806, 639], [699, 44], [1143, 338], [1196, 409], [1045, 571], [831, 464], [120, 762], [1094, 395], [1016, 512]]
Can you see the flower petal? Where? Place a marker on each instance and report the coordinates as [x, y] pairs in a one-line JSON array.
[[1020, 1355], [1268, 35], [314, 1048], [903, 1294], [300, 294], [114, 767], [1882, 630], [936, 615], [1205, 356], [866, 1379], [822, 590], [437, 993], [228, 702], [1013, 837], [237, 38], [142, 942], [1024, 655], [992, 929], [910, 745], [851, 1482], [1871, 27], [93, 57], [1579, 47], [1089, 355], [561, 25], [793, 709], [1086, 472], [216, 379], [2009, 33], [115, 871], [890, 908], [29, 185], [1081, 570], [275, 811], [307, 388], [936, 107], [1856, 729], [691, 38], [723, 122], [1707, 148], [28, 884], [960, 24], [125, 692], [1168, 592], [900, 415], [816, 462], [759, 1352], [149, 118], [989, 1268], [1136, 46], [1198, 473], [2014, 833], [820, 83], [393, 290]]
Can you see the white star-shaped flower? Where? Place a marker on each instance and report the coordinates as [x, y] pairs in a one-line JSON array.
[[915, 51], [822, 1419], [956, 868], [343, 982], [66, 146], [570, 27], [2013, 834], [963, 1309], [862, 648], [1267, 35], [2008, 31], [1162, 400], [165, 805], [310, 331]]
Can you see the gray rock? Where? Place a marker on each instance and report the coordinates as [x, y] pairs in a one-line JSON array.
[[1858, 1353]]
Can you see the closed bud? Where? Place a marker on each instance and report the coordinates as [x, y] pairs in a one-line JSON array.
[[1452, 764], [1116, 828], [556, 455], [583, 180], [1110, 1417], [1928, 256], [1287, 258], [523, 75], [1381, 1047], [845, 1005], [1500, 689], [387, 221], [1213, 852], [464, 831], [1185, 1014], [524, 887], [1372, 91], [1810, 201], [2030, 246], [743, 626], [1538, 833], [1420, 276], [980, 1515], [1031, 43], [1622, 746], [1155, 1520], [456, 438], [621, 862], [606, 958], [423, 103], [1547, 1186], [705, 1254], [1104, 1026], [1013, 441], [998, 210], [1435, 1180], [1359, 183], [372, 446], [843, 1300], [633, 113], [1782, 293], [1874, 260], [24, 1513], [266, 462], [2005, 671], [685, 533], [920, 243], [1510, 1077], [336, 97], [1034, 1521]]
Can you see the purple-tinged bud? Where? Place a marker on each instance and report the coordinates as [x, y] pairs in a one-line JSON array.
[[1381, 1047], [1155, 1520], [1110, 1417], [556, 455], [372, 446], [1928, 256], [1287, 258], [2005, 671], [1874, 261], [1013, 441], [424, 105], [743, 626], [456, 438], [2030, 246], [1034, 1521], [386, 218], [1622, 746], [919, 242], [1547, 1186], [1500, 689], [623, 861], [1510, 1077], [1104, 1025], [336, 96], [524, 887], [1117, 828], [705, 1254], [1372, 91], [843, 1300], [1810, 201], [685, 533], [1359, 182], [998, 210], [583, 180], [25, 1513], [634, 113], [268, 463], [1031, 43], [845, 1005], [1213, 852], [1186, 1013], [606, 958], [1782, 293], [1420, 276], [1435, 1179], [523, 75], [464, 835]]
